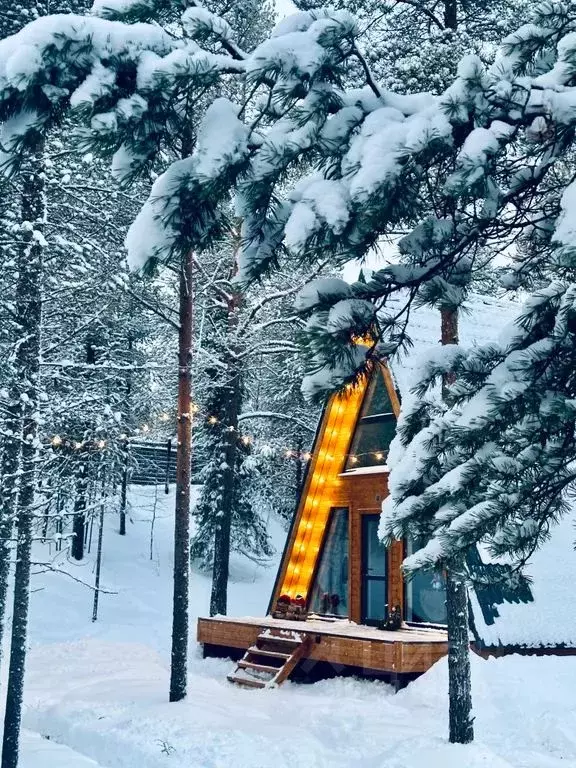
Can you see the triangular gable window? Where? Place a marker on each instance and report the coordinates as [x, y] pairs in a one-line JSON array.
[[375, 429]]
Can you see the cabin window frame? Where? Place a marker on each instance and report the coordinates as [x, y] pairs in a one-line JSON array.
[[385, 417]]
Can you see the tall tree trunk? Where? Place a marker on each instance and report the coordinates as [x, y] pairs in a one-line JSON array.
[[8, 499], [178, 675], [79, 519], [461, 729], [451, 14], [124, 489], [229, 446], [27, 365], [231, 412]]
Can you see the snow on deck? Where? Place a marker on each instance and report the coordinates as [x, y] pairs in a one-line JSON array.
[[341, 628]]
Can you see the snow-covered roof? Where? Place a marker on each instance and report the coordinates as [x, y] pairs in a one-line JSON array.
[[481, 321], [549, 620]]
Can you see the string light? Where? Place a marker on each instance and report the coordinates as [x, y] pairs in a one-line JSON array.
[[101, 443], [246, 439], [288, 453], [378, 456], [56, 440], [212, 420], [78, 445], [354, 459]]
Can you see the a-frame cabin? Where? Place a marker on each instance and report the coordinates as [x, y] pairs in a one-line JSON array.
[[335, 567]]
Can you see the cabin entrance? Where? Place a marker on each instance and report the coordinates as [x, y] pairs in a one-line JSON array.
[[374, 585]]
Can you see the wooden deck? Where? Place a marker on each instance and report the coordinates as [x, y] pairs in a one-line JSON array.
[[340, 643]]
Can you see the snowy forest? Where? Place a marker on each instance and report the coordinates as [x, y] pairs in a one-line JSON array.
[[287, 383]]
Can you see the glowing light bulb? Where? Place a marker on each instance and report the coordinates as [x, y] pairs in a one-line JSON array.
[[307, 456], [78, 445], [379, 456], [56, 441], [101, 443], [354, 459], [246, 439], [213, 420], [288, 454]]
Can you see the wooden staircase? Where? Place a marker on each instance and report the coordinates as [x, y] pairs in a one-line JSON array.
[[271, 661]]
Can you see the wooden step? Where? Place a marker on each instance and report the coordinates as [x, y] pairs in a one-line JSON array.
[[248, 683], [263, 652], [258, 667], [298, 646]]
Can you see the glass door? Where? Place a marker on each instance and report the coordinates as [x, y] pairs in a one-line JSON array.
[[374, 572], [330, 592]]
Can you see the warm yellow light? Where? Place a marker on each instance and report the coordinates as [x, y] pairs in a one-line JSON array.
[[194, 408], [56, 440], [379, 456], [354, 459], [307, 456], [321, 480], [246, 439], [213, 420]]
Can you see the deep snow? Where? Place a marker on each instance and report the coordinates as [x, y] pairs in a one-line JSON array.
[[101, 688]]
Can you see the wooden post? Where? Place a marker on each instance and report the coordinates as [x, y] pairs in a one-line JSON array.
[[179, 657]]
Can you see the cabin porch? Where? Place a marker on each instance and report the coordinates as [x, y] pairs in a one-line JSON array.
[[332, 647]]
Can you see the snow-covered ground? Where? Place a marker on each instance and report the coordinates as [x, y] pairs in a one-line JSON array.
[[100, 689]]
